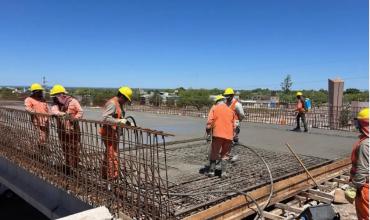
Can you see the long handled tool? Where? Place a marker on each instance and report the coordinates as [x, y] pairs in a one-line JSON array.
[[304, 167]]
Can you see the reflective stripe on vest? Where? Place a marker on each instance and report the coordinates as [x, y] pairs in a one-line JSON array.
[[233, 107], [117, 105], [104, 129]]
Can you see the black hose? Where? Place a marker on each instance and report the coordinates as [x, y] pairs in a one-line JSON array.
[[271, 179], [132, 119], [260, 210]]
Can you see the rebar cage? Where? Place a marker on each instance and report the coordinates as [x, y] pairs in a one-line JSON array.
[[130, 176]]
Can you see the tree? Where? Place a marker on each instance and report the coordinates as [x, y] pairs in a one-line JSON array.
[[286, 84], [352, 91]]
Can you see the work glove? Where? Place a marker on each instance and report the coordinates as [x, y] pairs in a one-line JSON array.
[[125, 122], [350, 194], [66, 116], [209, 138]]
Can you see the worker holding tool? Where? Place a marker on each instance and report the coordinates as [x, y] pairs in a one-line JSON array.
[[113, 113], [360, 165], [67, 109], [237, 108], [36, 103], [301, 113], [221, 122]]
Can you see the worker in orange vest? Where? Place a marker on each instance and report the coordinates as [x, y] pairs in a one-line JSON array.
[[36, 103], [113, 113], [67, 108], [360, 165], [237, 108], [301, 113], [221, 122]]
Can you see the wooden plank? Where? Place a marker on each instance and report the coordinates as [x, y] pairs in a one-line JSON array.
[[268, 215], [322, 194], [316, 197], [300, 199], [288, 208], [238, 207], [337, 180]]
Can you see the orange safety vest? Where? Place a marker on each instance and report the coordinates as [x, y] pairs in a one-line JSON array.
[[118, 114], [354, 154], [233, 106]]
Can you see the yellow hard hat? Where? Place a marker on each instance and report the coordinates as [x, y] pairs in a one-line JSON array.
[[299, 94], [229, 91], [126, 91], [219, 97], [35, 87], [363, 114], [57, 89]]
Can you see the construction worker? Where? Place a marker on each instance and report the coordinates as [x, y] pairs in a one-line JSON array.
[[237, 108], [301, 113], [36, 103], [360, 165], [68, 109], [113, 113], [221, 122]]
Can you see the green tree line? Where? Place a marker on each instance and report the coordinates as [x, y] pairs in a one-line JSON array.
[[196, 97]]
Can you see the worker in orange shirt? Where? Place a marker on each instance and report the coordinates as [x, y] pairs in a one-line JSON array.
[[360, 165], [113, 113], [36, 103], [67, 109], [237, 108], [220, 122], [301, 113]]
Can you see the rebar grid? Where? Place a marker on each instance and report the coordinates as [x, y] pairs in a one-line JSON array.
[[192, 192], [72, 155]]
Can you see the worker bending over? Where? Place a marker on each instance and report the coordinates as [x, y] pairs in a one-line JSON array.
[[113, 113], [360, 165], [221, 121], [301, 113], [36, 103], [68, 109]]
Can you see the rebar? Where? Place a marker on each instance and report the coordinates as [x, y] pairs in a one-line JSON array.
[[73, 155]]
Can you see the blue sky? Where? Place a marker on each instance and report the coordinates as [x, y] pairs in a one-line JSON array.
[[191, 43]]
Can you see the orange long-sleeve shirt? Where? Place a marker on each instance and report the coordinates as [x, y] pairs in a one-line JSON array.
[[221, 119], [36, 106], [74, 109]]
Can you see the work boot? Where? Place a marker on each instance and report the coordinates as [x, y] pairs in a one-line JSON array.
[[212, 167], [234, 158], [223, 169]]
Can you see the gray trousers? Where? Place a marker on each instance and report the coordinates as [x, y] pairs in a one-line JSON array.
[[301, 115]]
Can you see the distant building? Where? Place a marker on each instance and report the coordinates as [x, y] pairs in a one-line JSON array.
[[165, 97]]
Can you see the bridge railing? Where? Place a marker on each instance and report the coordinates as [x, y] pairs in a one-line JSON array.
[[323, 117], [121, 167]]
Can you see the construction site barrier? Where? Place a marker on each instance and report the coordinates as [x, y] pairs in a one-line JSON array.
[[323, 117]]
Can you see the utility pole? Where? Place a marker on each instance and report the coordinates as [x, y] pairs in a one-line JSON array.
[[44, 81]]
